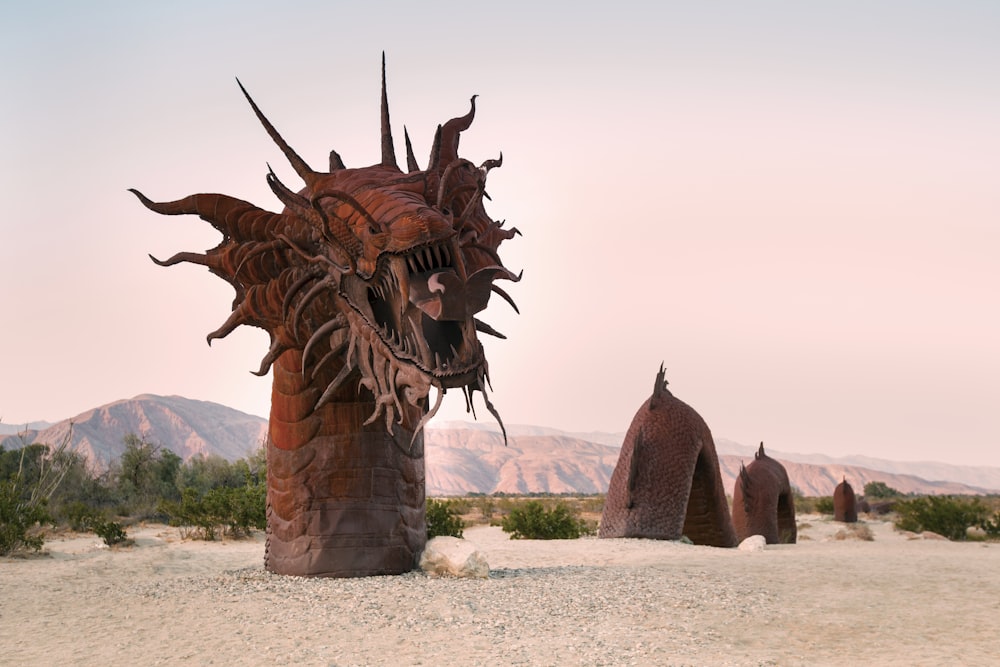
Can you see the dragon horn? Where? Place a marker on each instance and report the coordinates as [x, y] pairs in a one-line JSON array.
[[304, 171], [388, 152], [411, 160], [446, 144]]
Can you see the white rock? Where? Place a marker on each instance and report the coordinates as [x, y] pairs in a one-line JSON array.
[[455, 557], [753, 543]]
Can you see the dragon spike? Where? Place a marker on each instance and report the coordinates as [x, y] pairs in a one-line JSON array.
[[275, 351], [292, 200], [427, 417], [336, 163], [450, 135], [304, 171], [506, 297], [660, 385], [493, 410], [192, 257], [492, 164], [435, 157], [235, 319], [388, 152], [411, 161]]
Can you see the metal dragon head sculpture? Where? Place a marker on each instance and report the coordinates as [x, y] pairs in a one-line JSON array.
[[371, 272]]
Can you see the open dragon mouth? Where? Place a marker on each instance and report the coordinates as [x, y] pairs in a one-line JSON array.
[[418, 305]]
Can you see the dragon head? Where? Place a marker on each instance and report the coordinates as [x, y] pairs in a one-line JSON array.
[[371, 277]]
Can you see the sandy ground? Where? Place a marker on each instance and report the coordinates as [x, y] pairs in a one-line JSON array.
[[894, 600]]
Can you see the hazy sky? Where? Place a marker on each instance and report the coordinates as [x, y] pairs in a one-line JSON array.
[[793, 205]]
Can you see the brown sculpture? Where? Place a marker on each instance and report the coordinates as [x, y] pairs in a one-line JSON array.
[[368, 282], [667, 482], [762, 501], [844, 503]]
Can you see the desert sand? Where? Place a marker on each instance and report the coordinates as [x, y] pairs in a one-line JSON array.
[[896, 600]]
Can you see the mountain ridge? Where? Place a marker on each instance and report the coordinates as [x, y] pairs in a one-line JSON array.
[[463, 457]]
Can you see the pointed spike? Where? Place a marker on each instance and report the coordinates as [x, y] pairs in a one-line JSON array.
[[295, 288], [235, 319], [493, 411], [336, 323], [334, 385], [506, 297], [336, 163], [304, 171], [485, 328], [469, 407], [411, 160], [192, 257], [435, 158], [388, 151], [275, 351], [427, 417], [313, 292]]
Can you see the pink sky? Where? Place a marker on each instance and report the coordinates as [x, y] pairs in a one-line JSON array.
[[794, 207]]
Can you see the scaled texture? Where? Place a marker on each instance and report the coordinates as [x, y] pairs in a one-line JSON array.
[[370, 283], [667, 482], [763, 503]]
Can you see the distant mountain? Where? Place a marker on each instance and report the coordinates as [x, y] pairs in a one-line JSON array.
[[974, 477], [474, 460], [14, 429], [466, 457], [185, 426]]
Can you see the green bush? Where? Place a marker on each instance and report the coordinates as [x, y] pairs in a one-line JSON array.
[[531, 521], [29, 476], [443, 519], [233, 512], [945, 515], [80, 516], [111, 532], [880, 490], [17, 517], [824, 505]]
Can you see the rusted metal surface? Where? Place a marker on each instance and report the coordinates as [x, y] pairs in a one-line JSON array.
[[667, 482], [370, 283], [845, 503], [763, 503]]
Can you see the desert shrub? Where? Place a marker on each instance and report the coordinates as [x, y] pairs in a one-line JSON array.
[[945, 515], [79, 515], [247, 509], [443, 518], [18, 517], [486, 506], [531, 521], [802, 504], [823, 505], [880, 490], [230, 511], [29, 477], [111, 532]]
